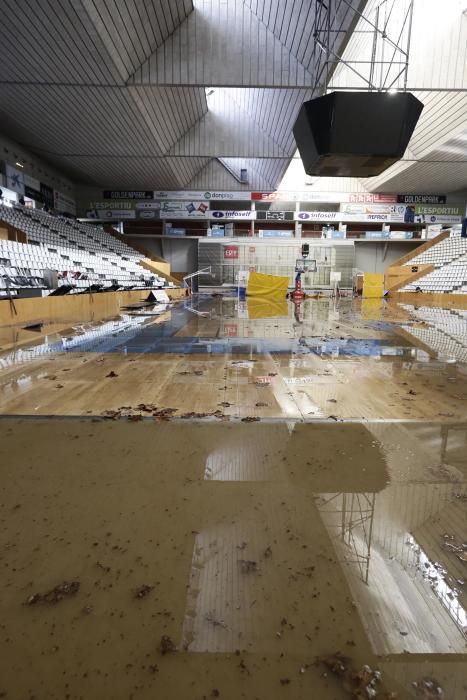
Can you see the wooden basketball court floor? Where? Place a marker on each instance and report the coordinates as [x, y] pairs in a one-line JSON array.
[[255, 548], [350, 363]]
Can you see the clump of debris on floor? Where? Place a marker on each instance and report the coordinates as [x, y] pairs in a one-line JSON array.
[[428, 689], [361, 684], [56, 594]]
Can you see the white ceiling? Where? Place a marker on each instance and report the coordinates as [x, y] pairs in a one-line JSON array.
[[436, 158], [114, 92]]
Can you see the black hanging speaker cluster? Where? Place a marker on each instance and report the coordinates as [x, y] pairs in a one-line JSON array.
[[355, 134]]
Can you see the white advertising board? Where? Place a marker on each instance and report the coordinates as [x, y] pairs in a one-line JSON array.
[[245, 215], [115, 214]]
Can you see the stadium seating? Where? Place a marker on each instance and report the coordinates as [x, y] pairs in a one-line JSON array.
[[445, 331], [449, 258], [81, 254]]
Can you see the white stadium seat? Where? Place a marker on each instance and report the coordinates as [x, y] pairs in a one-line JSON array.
[[81, 254], [449, 258]]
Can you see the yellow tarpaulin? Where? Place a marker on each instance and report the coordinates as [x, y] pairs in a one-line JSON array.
[[371, 309], [373, 285], [264, 307], [260, 285]]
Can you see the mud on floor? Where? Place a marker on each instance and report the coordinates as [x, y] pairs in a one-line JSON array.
[[144, 559]]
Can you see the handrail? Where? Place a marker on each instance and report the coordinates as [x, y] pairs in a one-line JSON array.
[[203, 271]]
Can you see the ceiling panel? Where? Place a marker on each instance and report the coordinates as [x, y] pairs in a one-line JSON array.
[[132, 173], [44, 42], [115, 90], [273, 110], [223, 43], [444, 168], [131, 31], [262, 173]]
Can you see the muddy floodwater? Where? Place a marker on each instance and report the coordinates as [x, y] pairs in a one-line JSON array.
[[252, 551], [197, 504]]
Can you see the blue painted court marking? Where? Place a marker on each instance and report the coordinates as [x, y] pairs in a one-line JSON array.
[[139, 334]]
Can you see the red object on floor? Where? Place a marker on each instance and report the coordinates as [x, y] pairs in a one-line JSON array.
[[298, 293]]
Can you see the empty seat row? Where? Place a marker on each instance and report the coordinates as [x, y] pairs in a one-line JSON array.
[[81, 254]]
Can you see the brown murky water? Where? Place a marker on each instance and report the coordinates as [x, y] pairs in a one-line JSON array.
[[146, 555], [263, 547]]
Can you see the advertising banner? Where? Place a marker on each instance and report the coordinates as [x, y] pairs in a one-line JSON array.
[[175, 231], [147, 214], [364, 209], [184, 210], [216, 232], [421, 198], [376, 235], [186, 195], [444, 209], [372, 198], [437, 219], [111, 205], [231, 252], [275, 215], [64, 203], [401, 235], [272, 233], [331, 197], [128, 194], [111, 214], [245, 215], [319, 216], [148, 205], [396, 214], [284, 196], [125, 204], [14, 179]]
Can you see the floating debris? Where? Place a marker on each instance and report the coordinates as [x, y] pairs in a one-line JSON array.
[[57, 594], [143, 591], [166, 645], [214, 620], [146, 407], [114, 415], [428, 689], [248, 567], [360, 684], [165, 412]]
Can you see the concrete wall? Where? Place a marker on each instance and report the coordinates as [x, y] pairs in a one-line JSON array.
[[373, 256], [182, 254]]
